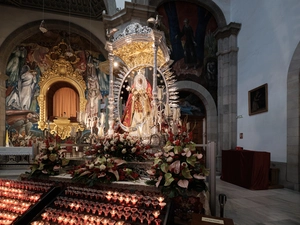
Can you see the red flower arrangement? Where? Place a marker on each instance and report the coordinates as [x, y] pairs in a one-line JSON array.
[[179, 167], [49, 161], [103, 169], [108, 158]]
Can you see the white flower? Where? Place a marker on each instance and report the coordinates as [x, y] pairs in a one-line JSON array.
[[50, 148], [102, 167], [169, 159], [199, 177], [91, 166], [198, 155], [105, 148], [187, 154], [124, 150], [175, 166], [151, 172], [133, 150], [44, 157], [158, 154], [183, 183], [112, 142], [168, 148], [184, 164]]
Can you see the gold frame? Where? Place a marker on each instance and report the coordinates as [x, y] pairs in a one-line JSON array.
[[61, 70]]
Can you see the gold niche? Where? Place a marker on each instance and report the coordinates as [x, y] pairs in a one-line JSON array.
[[60, 71]]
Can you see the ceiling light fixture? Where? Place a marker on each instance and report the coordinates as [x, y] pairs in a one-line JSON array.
[[43, 27], [69, 51]]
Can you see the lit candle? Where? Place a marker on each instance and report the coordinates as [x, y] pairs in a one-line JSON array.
[[159, 93], [156, 214], [160, 199], [175, 114], [101, 132], [113, 213], [127, 200], [102, 118], [6, 139], [167, 110], [178, 113], [140, 130]]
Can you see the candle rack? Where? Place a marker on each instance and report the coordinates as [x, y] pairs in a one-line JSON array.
[[104, 206], [20, 200]]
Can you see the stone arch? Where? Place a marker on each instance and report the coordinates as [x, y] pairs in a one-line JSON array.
[[208, 101], [293, 121], [29, 29]]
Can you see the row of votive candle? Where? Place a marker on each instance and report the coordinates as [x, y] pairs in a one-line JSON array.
[[118, 197], [26, 185], [7, 217], [105, 209], [72, 218], [20, 194], [13, 205]]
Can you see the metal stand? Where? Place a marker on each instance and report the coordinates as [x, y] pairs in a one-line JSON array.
[[222, 201]]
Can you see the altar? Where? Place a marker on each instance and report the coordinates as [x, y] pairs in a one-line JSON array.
[[139, 164], [15, 155]]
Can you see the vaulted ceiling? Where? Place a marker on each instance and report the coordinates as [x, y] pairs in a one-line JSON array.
[[91, 9]]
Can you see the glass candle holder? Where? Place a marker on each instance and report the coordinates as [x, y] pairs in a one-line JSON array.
[[157, 221], [134, 216], [156, 214]]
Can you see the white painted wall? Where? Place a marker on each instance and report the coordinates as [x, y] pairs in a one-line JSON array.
[[267, 40]]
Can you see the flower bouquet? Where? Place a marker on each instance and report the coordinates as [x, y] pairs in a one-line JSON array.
[[123, 146], [49, 161], [179, 168], [103, 169], [106, 161]]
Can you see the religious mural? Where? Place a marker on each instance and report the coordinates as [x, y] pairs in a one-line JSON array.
[[27, 64], [189, 31]]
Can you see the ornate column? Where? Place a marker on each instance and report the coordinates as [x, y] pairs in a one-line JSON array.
[[227, 88], [111, 88], [157, 41]]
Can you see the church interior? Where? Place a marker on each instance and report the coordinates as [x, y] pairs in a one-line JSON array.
[[155, 112]]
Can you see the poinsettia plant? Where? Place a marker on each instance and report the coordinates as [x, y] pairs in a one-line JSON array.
[[49, 161], [179, 167]]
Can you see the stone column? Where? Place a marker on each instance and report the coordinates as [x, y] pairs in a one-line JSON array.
[[227, 88], [2, 108]]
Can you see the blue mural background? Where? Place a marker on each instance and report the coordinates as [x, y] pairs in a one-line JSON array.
[[27, 63]]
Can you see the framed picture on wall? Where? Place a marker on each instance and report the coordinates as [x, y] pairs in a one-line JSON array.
[[258, 100]]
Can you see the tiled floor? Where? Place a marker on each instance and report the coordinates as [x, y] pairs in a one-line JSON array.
[[245, 207], [263, 207]]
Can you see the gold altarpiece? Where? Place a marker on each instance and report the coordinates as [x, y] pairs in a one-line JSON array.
[[60, 71]]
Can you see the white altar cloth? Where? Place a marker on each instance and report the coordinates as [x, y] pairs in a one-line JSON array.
[[16, 151]]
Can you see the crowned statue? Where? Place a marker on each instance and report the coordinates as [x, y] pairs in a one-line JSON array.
[[137, 113]]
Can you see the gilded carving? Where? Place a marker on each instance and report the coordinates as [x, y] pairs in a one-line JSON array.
[[61, 70]]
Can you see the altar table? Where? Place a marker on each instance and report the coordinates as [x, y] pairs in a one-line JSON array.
[[15, 155], [246, 168]]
